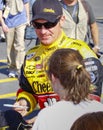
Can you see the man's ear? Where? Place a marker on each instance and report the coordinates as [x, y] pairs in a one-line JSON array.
[[62, 19], [53, 78]]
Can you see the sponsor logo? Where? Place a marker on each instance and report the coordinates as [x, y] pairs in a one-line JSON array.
[[47, 10], [29, 56], [41, 87]]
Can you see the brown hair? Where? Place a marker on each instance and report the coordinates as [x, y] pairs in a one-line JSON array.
[[68, 66], [89, 121]]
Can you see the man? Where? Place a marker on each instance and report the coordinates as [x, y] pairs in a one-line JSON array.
[[80, 22], [35, 86], [14, 18]]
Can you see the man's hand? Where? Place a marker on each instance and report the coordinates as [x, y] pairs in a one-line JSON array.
[[23, 107], [96, 49], [50, 102]]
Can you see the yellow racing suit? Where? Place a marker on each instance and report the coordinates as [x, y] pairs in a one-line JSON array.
[[34, 83]]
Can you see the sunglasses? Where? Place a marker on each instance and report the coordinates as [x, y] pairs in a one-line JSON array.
[[47, 25]]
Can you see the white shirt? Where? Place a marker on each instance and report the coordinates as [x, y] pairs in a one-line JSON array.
[[61, 115]]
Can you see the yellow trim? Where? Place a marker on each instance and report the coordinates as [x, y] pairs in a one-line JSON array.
[[99, 18], [30, 98], [7, 95], [3, 67], [7, 80], [3, 60], [4, 128]]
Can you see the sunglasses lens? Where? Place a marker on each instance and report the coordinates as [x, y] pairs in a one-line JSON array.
[[47, 25], [50, 25], [37, 25]]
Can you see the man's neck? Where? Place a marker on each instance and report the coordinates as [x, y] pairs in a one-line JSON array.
[[70, 2]]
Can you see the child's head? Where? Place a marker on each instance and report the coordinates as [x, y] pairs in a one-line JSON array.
[[68, 66], [89, 121]]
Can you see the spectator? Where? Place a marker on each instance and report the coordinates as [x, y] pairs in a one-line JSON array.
[[35, 87], [89, 121], [71, 82], [14, 19], [80, 21]]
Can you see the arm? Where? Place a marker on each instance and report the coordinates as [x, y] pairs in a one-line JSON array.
[[24, 96], [95, 36], [25, 99], [27, 8], [93, 27], [2, 22]]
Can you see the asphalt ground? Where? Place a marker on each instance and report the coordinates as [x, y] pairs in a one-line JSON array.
[[9, 86]]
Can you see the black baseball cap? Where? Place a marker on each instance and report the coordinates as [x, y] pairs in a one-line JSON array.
[[49, 10]]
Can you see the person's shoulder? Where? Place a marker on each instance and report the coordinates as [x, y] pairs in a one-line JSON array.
[[82, 47], [80, 43], [33, 49], [69, 40], [92, 105], [86, 5], [53, 107], [96, 105], [77, 41], [85, 2]]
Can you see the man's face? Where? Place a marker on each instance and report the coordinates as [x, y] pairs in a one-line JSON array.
[[70, 1], [45, 34]]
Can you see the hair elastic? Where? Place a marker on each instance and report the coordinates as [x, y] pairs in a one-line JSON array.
[[79, 66]]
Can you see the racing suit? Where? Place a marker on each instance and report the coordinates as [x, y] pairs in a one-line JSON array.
[[35, 85]]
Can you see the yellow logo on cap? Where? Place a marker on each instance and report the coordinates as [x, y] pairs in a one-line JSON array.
[[48, 10]]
